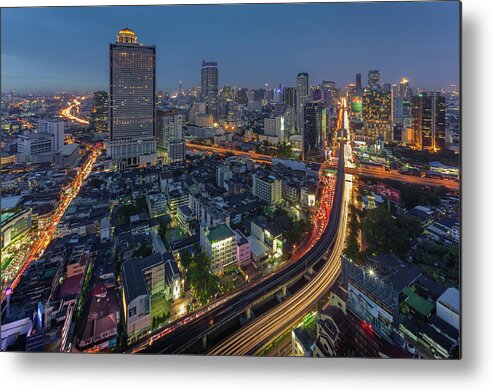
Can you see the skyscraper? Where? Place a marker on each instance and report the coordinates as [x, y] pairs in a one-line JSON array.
[[329, 93], [209, 86], [374, 79], [289, 96], [302, 91], [429, 121], [132, 100], [315, 129], [377, 113], [358, 82], [100, 111]]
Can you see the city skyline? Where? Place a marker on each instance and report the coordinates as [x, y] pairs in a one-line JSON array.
[[431, 44]]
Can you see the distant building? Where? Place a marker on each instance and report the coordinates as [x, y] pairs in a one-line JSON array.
[[209, 86], [289, 96], [55, 128], [428, 112], [275, 127], [377, 114], [302, 90], [374, 79], [132, 101], [100, 111]]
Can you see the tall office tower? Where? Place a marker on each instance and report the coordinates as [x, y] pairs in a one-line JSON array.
[[358, 83], [301, 98], [289, 96], [209, 86], [404, 90], [56, 128], [374, 79], [429, 121], [314, 137], [100, 111], [329, 93], [387, 87], [377, 114], [132, 101], [242, 96]]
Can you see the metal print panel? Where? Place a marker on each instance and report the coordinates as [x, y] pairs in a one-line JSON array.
[[267, 180]]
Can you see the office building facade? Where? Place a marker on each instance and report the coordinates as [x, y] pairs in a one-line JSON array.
[[302, 90], [209, 86], [314, 130], [132, 101], [429, 121]]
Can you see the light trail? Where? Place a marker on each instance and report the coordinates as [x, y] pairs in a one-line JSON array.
[[67, 113], [45, 239], [257, 335]]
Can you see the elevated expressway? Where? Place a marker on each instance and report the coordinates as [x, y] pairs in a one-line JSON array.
[[211, 324]]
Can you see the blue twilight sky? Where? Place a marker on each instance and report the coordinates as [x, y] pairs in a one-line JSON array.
[[66, 48]]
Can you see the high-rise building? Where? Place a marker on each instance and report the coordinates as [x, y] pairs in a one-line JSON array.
[[314, 136], [404, 90], [374, 79], [169, 126], [289, 96], [209, 86], [132, 100], [377, 114], [55, 128], [302, 90], [275, 127], [329, 93], [100, 111], [358, 83], [428, 111]]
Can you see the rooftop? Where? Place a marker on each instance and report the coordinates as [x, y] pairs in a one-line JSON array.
[[220, 232]]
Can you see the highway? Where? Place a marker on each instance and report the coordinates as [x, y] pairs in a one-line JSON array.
[[67, 113], [377, 173], [257, 335], [381, 173], [182, 333], [46, 236]]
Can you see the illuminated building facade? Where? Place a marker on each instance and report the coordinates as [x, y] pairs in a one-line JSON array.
[[209, 86], [302, 90], [374, 78], [132, 100], [429, 121], [219, 243], [377, 114], [100, 111]]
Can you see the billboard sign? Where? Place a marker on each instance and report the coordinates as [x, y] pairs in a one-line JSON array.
[[356, 104]]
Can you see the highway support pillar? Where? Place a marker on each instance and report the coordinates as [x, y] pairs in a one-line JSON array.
[[204, 343]]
